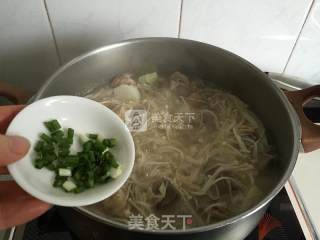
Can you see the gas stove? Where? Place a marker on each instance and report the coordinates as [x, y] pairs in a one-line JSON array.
[[279, 223]]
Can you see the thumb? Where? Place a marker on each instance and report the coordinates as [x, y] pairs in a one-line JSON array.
[[12, 148]]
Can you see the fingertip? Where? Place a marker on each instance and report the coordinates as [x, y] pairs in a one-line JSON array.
[[18, 145], [12, 148]]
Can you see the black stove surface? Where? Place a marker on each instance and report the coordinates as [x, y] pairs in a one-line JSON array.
[[279, 223]]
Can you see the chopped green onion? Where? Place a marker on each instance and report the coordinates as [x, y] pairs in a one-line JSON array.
[[95, 164], [39, 146], [79, 189], [57, 136], [52, 126], [115, 172], [113, 162], [63, 142], [45, 138], [51, 166], [48, 148], [112, 142], [63, 152], [99, 146], [93, 136], [87, 146], [70, 133], [64, 172], [69, 185], [109, 142], [105, 150], [72, 161], [38, 163], [83, 138], [59, 181], [91, 156]]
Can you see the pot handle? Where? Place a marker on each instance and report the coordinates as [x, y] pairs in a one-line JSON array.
[[15, 95], [310, 132]]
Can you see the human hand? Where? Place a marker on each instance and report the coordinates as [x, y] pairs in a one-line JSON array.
[[16, 206]]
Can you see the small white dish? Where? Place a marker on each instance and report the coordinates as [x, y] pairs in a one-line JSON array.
[[84, 116]]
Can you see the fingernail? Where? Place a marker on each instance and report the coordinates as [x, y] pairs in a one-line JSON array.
[[18, 145]]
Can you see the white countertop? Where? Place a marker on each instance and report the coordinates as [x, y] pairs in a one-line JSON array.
[[306, 183]]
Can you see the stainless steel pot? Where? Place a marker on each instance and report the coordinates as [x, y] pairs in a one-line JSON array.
[[211, 64]]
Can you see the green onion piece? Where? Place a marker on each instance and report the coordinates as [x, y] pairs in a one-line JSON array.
[[48, 159], [113, 142], [39, 146], [45, 138], [93, 136], [90, 182], [64, 152], [91, 156], [83, 138], [69, 185], [84, 156], [105, 150], [57, 136], [39, 163], [108, 155], [48, 125], [51, 167], [64, 172], [71, 161], [47, 148], [77, 175], [87, 146], [115, 172], [99, 146], [55, 124], [113, 163], [63, 142], [105, 142], [79, 189], [109, 142], [58, 181], [52, 125], [70, 133], [105, 178]]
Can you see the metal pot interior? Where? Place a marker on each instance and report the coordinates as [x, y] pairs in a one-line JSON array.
[[215, 66]]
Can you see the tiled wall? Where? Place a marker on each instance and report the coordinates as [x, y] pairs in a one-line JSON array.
[[81, 25], [305, 59], [36, 36], [27, 51], [263, 32]]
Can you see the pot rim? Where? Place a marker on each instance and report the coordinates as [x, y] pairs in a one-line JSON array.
[[294, 121]]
